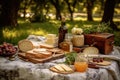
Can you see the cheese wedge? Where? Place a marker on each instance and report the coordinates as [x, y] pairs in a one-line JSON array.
[[66, 68], [59, 68], [63, 68]]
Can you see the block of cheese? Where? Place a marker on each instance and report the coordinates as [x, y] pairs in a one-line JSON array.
[[51, 39], [25, 45], [38, 53]]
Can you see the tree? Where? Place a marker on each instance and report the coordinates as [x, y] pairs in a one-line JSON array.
[[90, 5], [9, 12], [24, 6], [39, 10], [71, 7], [57, 4], [109, 13]]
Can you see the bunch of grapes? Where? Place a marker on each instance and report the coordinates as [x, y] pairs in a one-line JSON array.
[[7, 49], [98, 60]]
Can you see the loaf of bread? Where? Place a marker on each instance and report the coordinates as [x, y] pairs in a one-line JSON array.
[[38, 53], [91, 51], [25, 45]]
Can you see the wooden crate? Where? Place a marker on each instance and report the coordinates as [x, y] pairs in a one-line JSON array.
[[103, 41]]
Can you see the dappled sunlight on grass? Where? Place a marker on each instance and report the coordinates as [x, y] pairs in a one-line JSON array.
[[116, 19], [14, 35], [97, 19], [37, 32], [87, 25], [80, 18], [9, 33], [54, 21]]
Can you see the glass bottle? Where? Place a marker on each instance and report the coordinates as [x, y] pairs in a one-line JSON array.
[[62, 31]]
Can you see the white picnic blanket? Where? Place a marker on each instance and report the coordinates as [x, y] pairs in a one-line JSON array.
[[21, 70]]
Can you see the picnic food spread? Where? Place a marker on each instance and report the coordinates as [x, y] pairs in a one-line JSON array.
[[53, 47]]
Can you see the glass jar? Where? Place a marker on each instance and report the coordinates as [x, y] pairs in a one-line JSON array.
[[78, 40], [67, 45], [81, 63]]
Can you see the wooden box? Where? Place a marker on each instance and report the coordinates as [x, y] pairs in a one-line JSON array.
[[103, 41]]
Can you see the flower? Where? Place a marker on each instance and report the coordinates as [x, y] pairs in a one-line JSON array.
[[77, 31]]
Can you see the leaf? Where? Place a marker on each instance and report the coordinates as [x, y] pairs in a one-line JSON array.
[[70, 58]]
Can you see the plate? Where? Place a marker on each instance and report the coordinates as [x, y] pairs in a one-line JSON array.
[[104, 63]]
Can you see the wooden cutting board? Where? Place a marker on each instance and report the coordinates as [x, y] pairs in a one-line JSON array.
[[36, 60]]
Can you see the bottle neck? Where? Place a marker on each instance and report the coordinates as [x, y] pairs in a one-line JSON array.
[[63, 23]]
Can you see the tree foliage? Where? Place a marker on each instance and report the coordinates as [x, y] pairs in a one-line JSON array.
[[41, 8]]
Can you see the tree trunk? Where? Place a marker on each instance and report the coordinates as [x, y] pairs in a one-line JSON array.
[[9, 12], [58, 15], [56, 4], [109, 13], [90, 4], [71, 7], [1, 35], [71, 16]]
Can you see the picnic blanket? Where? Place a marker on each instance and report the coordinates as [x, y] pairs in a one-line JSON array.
[[22, 70]]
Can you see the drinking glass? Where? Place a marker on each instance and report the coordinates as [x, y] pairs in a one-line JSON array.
[[81, 63]]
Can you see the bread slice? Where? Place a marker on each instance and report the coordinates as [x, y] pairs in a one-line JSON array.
[[43, 45], [56, 50], [38, 53]]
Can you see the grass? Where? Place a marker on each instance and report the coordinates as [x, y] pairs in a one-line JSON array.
[[24, 29]]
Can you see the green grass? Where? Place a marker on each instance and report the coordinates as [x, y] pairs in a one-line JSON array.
[[24, 29]]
